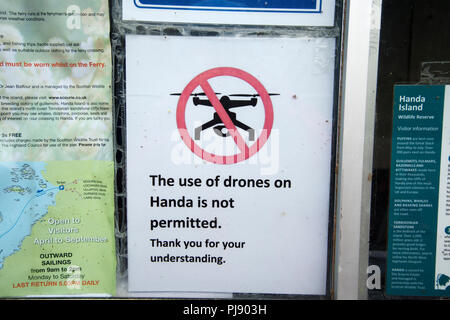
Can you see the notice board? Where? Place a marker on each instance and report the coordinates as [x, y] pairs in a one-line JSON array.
[[229, 155], [419, 223], [56, 149], [230, 146]]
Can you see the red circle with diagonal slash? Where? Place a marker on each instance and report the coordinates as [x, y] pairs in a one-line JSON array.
[[245, 150]]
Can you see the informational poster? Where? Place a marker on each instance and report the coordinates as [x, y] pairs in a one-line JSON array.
[[248, 12], [229, 144], [419, 213], [56, 149]]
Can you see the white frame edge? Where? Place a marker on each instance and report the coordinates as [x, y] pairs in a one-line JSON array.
[[360, 66]]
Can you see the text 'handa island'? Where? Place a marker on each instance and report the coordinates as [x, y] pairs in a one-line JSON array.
[[411, 103]]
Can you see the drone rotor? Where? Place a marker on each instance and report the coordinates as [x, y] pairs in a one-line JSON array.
[[250, 95], [194, 94]]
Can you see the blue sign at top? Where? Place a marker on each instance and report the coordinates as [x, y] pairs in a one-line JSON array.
[[304, 6]]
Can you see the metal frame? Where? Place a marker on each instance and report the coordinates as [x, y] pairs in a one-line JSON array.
[[356, 147]]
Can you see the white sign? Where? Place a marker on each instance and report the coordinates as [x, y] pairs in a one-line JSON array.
[[248, 12], [228, 163]]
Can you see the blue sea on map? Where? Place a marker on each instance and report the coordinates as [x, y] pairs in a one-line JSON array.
[[25, 197]]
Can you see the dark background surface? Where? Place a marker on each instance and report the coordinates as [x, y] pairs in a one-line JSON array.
[[412, 32]]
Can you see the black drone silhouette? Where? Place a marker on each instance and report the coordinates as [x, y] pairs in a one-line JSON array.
[[227, 103]]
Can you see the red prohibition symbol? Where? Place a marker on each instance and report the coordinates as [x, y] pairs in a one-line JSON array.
[[245, 151]]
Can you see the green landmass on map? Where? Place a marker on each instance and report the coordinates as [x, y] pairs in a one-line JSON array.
[[71, 250]]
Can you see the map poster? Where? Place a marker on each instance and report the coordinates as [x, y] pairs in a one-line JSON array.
[[229, 153], [56, 149], [419, 212]]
